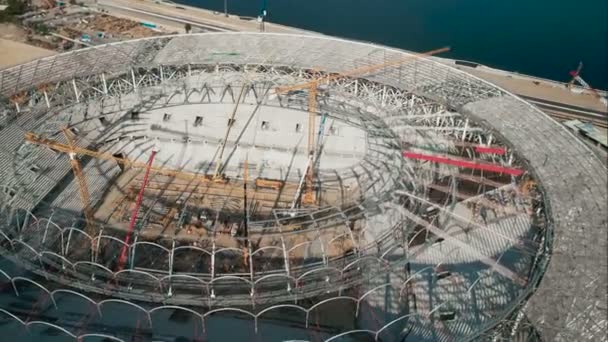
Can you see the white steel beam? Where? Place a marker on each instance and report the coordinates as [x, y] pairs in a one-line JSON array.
[[76, 93]]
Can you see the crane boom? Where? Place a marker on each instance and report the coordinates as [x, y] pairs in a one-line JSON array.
[[299, 189], [123, 254], [57, 146], [216, 174]]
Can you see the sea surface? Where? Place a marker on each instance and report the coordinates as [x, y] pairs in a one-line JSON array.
[[544, 38]]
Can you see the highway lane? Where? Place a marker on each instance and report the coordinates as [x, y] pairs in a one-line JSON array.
[[566, 111], [164, 19], [565, 105]]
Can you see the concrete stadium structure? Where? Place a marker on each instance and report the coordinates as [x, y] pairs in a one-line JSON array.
[[448, 209]]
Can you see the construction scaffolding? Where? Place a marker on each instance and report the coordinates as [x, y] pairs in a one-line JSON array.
[[186, 206]]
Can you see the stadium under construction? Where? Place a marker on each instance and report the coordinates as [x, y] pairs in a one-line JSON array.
[[271, 187]]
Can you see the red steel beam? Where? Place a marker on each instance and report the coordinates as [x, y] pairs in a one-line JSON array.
[[491, 150], [464, 163], [123, 254]]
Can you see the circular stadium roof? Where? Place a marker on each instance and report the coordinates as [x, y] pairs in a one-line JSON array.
[[446, 208]]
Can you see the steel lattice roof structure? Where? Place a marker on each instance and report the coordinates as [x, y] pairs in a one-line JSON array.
[[449, 208]]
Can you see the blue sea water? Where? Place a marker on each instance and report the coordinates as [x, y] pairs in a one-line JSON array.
[[544, 38]]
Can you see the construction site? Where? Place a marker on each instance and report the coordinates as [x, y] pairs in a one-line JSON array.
[[61, 26], [288, 187]]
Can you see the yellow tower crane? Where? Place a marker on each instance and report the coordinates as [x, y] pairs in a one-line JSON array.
[[60, 147], [308, 197], [74, 150], [83, 189]]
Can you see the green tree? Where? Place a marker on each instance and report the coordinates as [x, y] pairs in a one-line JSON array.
[[188, 27], [16, 7], [41, 28], [13, 9]]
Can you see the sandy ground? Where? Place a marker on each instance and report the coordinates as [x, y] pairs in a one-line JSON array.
[[14, 53], [13, 49], [12, 32]]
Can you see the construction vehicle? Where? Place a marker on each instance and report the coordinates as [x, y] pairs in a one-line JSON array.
[[308, 196]]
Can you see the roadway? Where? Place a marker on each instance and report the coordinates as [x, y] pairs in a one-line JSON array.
[[174, 23], [176, 16], [566, 111]]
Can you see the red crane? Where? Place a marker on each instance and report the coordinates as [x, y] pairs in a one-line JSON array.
[[123, 254], [576, 78], [464, 163]]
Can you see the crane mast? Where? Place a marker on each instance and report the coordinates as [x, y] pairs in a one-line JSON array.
[[309, 196], [85, 197]]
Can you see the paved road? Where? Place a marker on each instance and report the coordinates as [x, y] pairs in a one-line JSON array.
[[176, 16], [161, 19], [564, 111], [565, 106]]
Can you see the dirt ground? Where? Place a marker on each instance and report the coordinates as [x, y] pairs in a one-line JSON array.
[[120, 27], [12, 32], [14, 53], [13, 49]]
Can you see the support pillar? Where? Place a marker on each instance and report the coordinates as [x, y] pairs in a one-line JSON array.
[[133, 79], [464, 131], [76, 93], [104, 83], [384, 96], [46, 99], [212, 292]]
